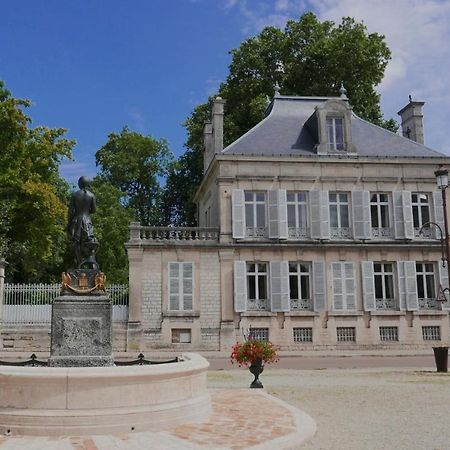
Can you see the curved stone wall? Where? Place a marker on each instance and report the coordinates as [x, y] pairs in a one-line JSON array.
[[78, 401]]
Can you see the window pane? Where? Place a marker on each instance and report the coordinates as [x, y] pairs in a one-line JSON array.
[[260, 215], [339, 134], [388, 279], [374, 216], [291, 216], [301, 196], [292, 267], [332, 197], [384, 216], [430, 286], [304, 268], [423, 198], [262, 267], [290, 197], [248, 196], [377, 267], [420, 287], [249, 215], [262, 288], [305, 287], [293, 287], [378, 287], [343, 198], [383, 197], [416, 217], [344, 216], [414, 198], [302, 216], [260, 197], [333, 216], [250, 267], [429, 267], [388, 267], [425, 214], [251, 287]]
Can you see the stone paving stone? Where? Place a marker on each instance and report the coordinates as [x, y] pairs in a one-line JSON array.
[[241, 418]]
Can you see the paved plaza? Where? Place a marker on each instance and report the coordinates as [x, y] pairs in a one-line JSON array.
[[363, 407]]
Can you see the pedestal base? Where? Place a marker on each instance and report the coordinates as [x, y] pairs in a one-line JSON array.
[[81, 331]]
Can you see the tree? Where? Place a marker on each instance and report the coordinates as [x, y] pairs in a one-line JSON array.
[[32, 194], [135, 164], [111, 222], [308, 57]]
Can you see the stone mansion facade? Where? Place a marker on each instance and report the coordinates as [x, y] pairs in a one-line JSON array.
[[313, 231]]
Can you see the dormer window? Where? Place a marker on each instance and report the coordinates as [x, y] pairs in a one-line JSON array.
[[331, 125], [335, 130]]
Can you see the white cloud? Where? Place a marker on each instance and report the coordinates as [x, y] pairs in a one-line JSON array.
[[137, 118]]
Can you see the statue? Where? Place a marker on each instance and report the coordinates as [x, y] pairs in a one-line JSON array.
[[79, 228]]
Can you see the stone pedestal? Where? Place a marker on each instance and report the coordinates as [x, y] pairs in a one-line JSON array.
[[81, 333]]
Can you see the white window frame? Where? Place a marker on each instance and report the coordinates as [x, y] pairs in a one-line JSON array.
[[381, 231], [385, 303], [182, 296], [331, 124], [253, 230], [257, 303], [298, 230], [426, 233], [301, 304], [428, 301], [338, 231]]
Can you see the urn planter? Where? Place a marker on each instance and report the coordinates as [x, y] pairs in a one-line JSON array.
[[256, 368]]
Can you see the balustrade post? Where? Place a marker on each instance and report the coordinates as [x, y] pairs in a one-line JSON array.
[[135, 231]]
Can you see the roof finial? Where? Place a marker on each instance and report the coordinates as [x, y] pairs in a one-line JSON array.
[[410, 98], [277, 89], [343, 92]]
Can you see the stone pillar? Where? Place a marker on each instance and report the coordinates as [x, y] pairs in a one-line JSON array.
[[227, 328], [134, 331], [217, 124], [2, 287]]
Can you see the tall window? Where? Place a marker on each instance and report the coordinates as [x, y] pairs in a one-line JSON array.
[[339, 215], [335, 130], [384, 285], [379, 215], [426, 286], [255, 213], [181, 283], [300, 285], [421, 214], [257, 287], [297, 207]]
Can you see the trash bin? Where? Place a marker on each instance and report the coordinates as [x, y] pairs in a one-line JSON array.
[[441, 357]]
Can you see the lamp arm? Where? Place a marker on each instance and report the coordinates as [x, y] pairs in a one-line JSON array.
[[425, 225]]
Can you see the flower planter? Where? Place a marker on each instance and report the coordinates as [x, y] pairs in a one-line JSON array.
[[256, 368]]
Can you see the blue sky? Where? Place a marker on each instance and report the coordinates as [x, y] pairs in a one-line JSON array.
[[95, 66]]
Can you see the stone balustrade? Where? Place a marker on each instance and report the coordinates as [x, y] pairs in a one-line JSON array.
[[171, 234]]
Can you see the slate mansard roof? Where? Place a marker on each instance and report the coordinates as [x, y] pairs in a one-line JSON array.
[[284, 132]]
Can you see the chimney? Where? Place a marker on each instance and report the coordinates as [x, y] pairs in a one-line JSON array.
[[208, 145], [217, 124], [412, 121]]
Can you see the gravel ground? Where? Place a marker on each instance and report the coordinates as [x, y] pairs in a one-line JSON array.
[[363, 409]]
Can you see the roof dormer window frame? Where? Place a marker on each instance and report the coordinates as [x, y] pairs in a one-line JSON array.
[[330, 111], [335, 132]]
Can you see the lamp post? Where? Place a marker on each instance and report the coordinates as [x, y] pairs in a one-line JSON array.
[[441, 353], [442, 183]]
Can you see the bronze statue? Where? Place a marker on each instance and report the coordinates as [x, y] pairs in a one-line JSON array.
[[79, 228]]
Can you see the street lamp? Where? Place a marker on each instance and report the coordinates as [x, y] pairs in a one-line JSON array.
[[442, 182]]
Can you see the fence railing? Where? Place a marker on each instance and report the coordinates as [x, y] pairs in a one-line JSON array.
[[32, 303]]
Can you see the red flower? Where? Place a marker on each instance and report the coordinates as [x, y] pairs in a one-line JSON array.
[[251, 350]]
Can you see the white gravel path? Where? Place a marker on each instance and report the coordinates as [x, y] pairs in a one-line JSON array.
[[361, 409]]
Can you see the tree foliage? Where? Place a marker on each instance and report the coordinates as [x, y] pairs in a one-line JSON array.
[[309, 58], [32, 194], [135, 164], [111, 222]]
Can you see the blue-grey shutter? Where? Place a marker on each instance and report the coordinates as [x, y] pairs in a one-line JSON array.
[[438, 213], [349, 284], [338, 286], [274, 220], [408, 285], [188, 286], [361, 214], [320, 227], [407, 215], [443, 280], [368, 285], [174, 286], [238, 213], [403, 220], [279, 286], [319, 286], [240, 286], [282, 214]]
